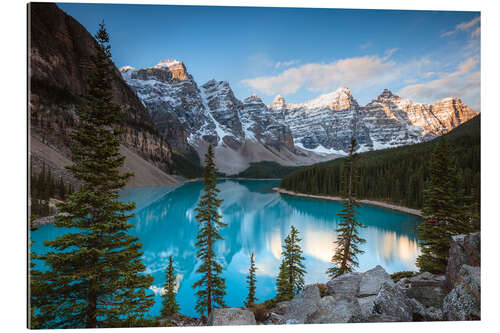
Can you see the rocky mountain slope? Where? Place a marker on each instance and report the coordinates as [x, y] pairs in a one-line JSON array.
[[325, 124], [192, 117], [247, 131], [60, 54]]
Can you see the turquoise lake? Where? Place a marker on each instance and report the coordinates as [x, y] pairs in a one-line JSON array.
[[258, 221]]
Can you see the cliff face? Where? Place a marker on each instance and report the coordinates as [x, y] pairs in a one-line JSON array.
[[61, 54]]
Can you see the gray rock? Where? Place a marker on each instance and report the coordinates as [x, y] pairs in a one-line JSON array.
[[281, 307], [344, 285], [464, 300], [372, 280], [366, 304], [302, 305], [391, 302], [426, 288], [336, 309], [230, 317], [275, 319], [421, 313], [464, 250]]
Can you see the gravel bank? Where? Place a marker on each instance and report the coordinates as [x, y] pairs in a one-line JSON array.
[[364, 201]]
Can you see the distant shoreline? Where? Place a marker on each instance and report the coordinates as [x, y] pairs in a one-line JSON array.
[[243, 178], [403, 209]]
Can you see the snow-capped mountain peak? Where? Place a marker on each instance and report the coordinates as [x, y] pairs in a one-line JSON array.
[[167, 63], [278, 103], [339, 99], [252, 99], [126, 68]]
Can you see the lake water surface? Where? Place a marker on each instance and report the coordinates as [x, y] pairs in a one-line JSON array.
[[258, 221]]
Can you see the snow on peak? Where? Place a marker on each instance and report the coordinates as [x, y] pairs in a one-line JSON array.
[[167, 63], [344, 90], [252, 99], [341, 96], [278, 102], [126, 68], [387, 94], [448, 99]]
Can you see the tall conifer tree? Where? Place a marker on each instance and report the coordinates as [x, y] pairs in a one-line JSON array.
[[345, 257], [169, 303], [95, 273], [292, 270], [445, 211], [283, 288], [251, 281], [211, 286]]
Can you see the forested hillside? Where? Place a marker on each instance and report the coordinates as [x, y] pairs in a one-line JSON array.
[[397, 175], [266, 170]]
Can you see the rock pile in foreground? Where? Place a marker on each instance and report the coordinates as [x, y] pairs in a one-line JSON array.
[[372, 296]]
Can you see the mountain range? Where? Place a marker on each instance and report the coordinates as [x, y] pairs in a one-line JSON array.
[[245, 131], [169, 119]]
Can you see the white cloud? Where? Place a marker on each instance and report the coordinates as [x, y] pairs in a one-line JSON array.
[[464, 26], [286, 63], [464, 83], [352, 72]]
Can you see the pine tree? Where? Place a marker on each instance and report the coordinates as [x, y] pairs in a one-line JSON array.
[[444, 210], [291, 277], [284, 290], [347, 249], [169, 303], [211, 286], [251, 280], [95, 274]]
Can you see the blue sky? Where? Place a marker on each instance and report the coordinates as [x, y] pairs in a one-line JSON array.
[[301, 53]]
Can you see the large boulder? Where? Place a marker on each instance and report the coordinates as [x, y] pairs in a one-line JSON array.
[[392, 303], [336, 309], [364, 287], [372, 280], [344, 285], [426, 288], [464, 250], [230, 317], [464, 300], [357, 284], [302, 305]]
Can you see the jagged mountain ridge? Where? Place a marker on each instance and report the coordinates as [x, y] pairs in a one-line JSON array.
[[287, 133], [195, 116], [325, 124]]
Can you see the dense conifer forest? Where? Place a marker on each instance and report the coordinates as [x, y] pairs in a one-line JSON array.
[[43, 186], [397, 175], [266, 170]]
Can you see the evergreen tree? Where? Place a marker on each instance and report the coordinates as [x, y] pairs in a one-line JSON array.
[[169, 303], [345, 257], [95, 274], [284, 290], [211, 286], [291, 277], [445, 211], [251, 280]]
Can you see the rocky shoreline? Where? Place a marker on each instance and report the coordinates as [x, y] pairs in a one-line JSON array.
[[403, 209], [372, 296]]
